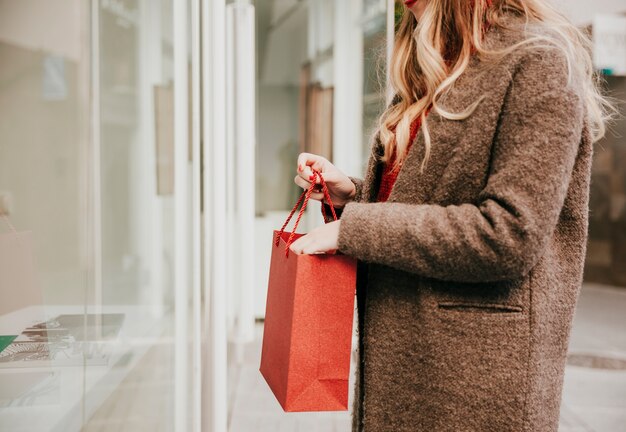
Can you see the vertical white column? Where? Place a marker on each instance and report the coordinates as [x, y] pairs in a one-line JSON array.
[[312, 28], [215, 408], [91, 174], [150, 73], [84, 87], [348, 77], [241, 120], [196, 189], [96, 189], [230, 247], [308, 222], [181, 217], [246, 157]]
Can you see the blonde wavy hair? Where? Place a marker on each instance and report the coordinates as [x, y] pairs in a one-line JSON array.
[[430, 55]]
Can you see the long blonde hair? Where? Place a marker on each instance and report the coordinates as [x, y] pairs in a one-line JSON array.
[[430, 55]]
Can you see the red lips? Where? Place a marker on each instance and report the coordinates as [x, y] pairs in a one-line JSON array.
[[409, 3]]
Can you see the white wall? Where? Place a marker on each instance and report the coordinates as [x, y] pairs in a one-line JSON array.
[[278, 147], [286, 48]]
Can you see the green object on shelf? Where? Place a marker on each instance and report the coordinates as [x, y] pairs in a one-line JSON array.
[[5, 341]]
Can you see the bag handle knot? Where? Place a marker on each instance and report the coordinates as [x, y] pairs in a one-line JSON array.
[[304, 200]]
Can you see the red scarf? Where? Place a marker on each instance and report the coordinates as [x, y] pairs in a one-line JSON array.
[[389, 176]]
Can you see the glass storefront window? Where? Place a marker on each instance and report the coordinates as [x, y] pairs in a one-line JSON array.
[[89, 338]]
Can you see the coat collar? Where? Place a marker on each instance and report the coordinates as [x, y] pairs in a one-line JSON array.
[[442, 131]]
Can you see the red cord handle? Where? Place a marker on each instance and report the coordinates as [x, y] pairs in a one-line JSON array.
[[304, 199]]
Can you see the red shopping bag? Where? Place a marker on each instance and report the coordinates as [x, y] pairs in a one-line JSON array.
[[308, 323]]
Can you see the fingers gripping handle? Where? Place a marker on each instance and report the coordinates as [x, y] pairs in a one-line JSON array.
[[304, 200]]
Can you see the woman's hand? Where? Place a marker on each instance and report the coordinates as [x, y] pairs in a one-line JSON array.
[[340, 187], [320, 240]]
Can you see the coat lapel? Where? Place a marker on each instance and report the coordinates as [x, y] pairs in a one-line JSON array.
[[374, 170], [410, 183], [440, 131]]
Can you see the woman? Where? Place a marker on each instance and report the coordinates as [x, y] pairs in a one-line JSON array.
[[470, 269]]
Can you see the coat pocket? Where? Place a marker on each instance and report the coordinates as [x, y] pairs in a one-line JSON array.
[[483, 308], [478, 364]]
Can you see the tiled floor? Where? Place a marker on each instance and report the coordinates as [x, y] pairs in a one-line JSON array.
[[594, 395], [253, 407]]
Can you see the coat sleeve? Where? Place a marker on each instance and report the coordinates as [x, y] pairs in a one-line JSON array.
[[358, 184], [504, 233]]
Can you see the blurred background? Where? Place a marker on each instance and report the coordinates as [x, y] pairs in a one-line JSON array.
[[147, 152]]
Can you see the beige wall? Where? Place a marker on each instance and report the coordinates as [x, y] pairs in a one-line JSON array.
[[41, 140], [52, 26]]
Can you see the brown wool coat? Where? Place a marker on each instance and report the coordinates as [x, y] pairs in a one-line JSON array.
[[469, 274]]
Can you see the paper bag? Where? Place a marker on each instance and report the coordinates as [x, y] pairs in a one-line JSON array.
[[308, 324]]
